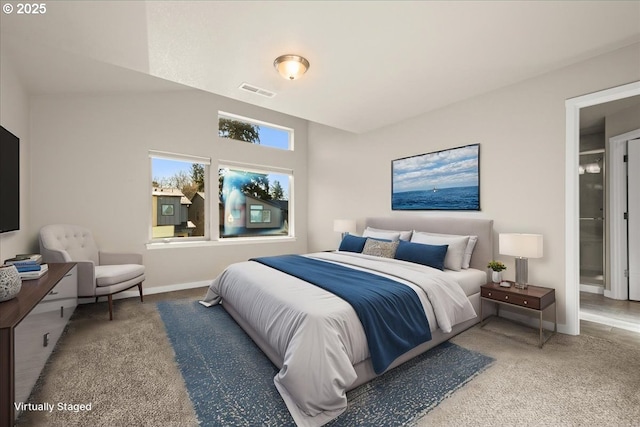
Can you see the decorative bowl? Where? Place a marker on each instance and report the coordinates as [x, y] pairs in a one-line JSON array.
[[10, 282]]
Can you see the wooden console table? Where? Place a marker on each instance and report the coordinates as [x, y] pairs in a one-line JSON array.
[[13, 312]]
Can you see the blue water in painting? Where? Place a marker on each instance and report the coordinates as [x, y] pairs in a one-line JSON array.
[[455, 198]]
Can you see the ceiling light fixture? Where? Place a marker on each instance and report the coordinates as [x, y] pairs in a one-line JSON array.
[[291, 67]]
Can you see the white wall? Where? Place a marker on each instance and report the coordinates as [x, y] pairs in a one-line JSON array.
[[521, 131], [14, 116], [90, 166], [622, 122]]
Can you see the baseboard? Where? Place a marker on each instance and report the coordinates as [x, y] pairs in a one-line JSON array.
[[151, 291]]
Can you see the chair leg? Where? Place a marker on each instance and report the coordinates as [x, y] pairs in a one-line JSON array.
[[140, 289], [110, 307], [97, 299]]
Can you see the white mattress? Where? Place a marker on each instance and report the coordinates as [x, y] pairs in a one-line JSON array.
[[470, 279]]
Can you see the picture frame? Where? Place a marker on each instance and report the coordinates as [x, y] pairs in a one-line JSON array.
[[446, 180]]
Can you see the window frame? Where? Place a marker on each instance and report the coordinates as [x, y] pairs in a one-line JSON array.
[[247, 167], [162, 210], [179, 157]]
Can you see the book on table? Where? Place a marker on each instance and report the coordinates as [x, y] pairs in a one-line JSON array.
[[35, 274], [27, 266], [24, 258]]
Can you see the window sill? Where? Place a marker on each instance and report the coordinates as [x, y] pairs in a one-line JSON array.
[[222, 242]]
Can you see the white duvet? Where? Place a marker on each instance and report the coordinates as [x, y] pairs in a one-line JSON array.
[[317, 334]]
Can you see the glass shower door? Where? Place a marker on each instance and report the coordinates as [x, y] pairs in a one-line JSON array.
[[592, 216]]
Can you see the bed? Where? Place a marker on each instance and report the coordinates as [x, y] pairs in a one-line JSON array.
[[316, 338]]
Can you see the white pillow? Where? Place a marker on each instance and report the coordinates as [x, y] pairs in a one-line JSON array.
[[404, 235], [469, 251], [455, 252], [471, 244], [394, 236]]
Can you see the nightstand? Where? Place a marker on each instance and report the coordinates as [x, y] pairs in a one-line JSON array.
[[534, 299]]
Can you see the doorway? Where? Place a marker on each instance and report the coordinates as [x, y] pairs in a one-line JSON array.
[[572, 201], [608, 299]]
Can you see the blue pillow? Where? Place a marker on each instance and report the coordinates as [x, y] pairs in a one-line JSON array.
[[420, 253], [352, 243]]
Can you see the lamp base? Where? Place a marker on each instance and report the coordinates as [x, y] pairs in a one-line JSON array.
[[522, 273]]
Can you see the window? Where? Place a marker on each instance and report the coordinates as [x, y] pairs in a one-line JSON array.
[[254, 202], [178, 196], [260, 214], [255, 132], [167, 210]]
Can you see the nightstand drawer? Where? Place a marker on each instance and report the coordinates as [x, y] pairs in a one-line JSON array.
[[511, 298]]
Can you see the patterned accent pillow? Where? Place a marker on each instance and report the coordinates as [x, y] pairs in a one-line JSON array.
[[379, 248]]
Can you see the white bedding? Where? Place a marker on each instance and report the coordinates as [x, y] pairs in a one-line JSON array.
[[469, 280], [317, 334]]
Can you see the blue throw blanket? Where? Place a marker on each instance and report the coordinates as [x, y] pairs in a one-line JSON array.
[[390, 312]]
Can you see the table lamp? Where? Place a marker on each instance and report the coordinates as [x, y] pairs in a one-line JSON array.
[[523, 247], [344, 226]]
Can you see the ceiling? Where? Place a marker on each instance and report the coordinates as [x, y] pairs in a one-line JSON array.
[[372, 63]]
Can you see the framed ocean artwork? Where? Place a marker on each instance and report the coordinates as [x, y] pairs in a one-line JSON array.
[[447, 180]]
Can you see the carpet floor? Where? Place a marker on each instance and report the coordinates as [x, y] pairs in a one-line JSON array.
[[230, 380], [127, 370]]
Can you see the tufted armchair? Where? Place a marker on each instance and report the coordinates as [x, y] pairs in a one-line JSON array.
[[99, 273]]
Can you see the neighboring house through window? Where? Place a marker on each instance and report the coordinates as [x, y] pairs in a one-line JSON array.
[[254, 203], [178, 192]]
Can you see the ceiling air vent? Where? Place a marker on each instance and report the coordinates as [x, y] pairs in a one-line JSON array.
[[253, 89]]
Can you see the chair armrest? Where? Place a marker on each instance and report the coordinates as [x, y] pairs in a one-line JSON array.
[[54, 255], [86, 278], [114, 258]]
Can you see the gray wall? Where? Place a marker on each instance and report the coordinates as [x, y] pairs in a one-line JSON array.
[[521, 130], [622, 122], [84, 147], [14, 116]]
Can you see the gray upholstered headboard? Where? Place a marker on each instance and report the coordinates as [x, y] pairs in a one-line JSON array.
[[483, 228]]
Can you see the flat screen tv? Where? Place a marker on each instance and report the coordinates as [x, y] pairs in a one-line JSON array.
[[446, 180], [9, 181]]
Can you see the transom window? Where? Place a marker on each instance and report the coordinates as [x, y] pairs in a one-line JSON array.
[[253, 131]]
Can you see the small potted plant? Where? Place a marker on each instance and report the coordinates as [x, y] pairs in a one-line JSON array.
[[496, 267]]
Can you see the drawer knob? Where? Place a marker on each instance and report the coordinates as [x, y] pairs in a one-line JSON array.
[[489, 293], [525, 302], [506, 297]]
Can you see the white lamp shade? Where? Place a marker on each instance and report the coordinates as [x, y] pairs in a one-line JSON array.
[[520, 245], [344, 225]]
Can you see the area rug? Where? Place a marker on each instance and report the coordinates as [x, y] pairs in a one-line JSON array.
[[230, 380]]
